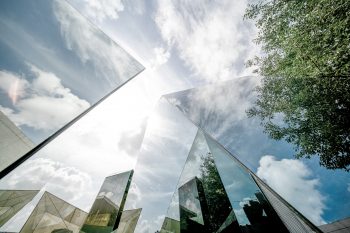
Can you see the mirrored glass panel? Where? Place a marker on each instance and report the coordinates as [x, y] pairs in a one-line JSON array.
[[54, 64], [74, 165], [105, 213], [221, 110], [167, 141], [128, 221], [12, 201], [253, 212], [54, 215], [200, 203]]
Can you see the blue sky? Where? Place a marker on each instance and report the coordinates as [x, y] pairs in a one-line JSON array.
[[182, 45]]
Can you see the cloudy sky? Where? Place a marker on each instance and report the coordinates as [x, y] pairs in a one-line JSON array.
[[54, 64]]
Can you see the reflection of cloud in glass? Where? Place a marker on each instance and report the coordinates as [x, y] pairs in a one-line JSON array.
[[99, 10], [166, 144], [41, 96], [93, 47]]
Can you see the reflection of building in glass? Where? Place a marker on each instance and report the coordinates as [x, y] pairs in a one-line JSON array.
[[224, 196], [106, 212], [12, 201], [194, 215], [13, 143], [54, 215]]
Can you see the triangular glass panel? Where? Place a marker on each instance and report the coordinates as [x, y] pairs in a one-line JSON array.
[[47, 217], [12, 201], [128, 221], [200, 203], [257, 208]]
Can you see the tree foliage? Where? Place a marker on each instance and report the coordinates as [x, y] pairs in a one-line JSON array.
[[304, 96]]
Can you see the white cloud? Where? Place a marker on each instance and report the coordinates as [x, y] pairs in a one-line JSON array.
[[218, 107], [13, 85], [211, 37], [99, 10], [56, 177], [291, 179], [43, 103], [161, 57], [93, 47]]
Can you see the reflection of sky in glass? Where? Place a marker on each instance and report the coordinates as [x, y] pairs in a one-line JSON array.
[[191, 169], [114, 187], [220, 109], [189, 200], [49, 71], [74, 165], [194, 160], [108, 139], [238, 184], [165, 147]]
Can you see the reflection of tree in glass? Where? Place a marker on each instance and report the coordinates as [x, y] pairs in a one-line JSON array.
[[219, 205]]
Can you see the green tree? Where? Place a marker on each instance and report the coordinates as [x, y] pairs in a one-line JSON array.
[[304, 96]]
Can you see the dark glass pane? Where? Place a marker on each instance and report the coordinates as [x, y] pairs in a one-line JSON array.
[[106, 211], [200, 203], [254, 213]]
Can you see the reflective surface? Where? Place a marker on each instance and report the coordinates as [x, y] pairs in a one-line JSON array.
[[216, 194], [197, 187], [220, 109], [182, 178], [54, 64], [105, 213], [54, 215], [12, 201]]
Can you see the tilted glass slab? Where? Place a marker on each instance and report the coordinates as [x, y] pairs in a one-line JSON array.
[[200, 203], [167, 141], [253, 212], [54, 65], [105, 213], [220, 109], [128, 221], [104, 142]]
